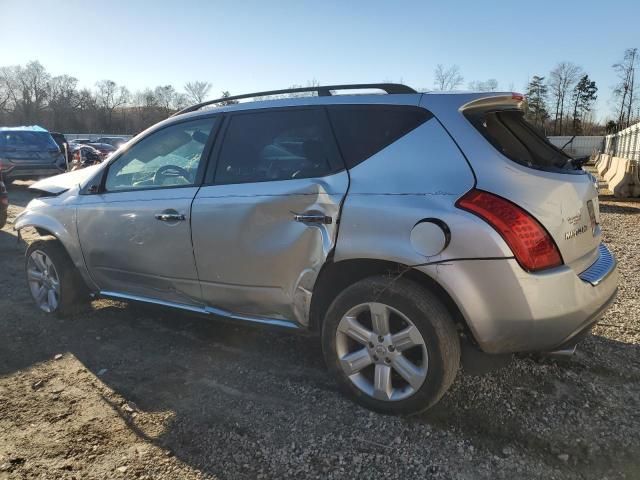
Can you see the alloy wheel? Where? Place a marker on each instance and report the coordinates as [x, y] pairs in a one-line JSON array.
[[44, 282], [381, 351]]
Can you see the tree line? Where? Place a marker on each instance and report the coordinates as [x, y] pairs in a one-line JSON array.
[[560, 103], [29, 95]]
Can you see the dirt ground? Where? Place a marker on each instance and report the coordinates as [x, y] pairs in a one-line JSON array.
[[124, 392]]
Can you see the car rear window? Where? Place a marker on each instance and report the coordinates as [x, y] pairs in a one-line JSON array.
[[515, 138], [31, 140], [363, 130]]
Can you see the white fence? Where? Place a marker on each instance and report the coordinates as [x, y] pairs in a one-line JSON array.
[[624, 144], [94, 136], [580, 146]]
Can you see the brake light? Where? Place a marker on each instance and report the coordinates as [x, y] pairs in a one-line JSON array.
[[519, 97], [530, 243]]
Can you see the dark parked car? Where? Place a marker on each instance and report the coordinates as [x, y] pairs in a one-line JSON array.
[[80, 140], [105, 149], [29, 152], [4, 203], [115, 141]]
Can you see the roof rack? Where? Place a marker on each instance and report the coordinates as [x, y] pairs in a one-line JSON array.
[[322, 91]]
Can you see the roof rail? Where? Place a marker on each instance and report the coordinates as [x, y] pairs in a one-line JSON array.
[[322, 91]]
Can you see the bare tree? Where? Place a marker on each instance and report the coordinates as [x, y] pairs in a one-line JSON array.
[[63, 100], [562, 79], [6, 90], [87, 110], [490, 85], [197, 92], [447, 78], [624, 90], [109, 97], [29, 88], [145, 110]]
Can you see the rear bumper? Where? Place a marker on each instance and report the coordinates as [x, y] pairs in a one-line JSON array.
[[509, 310]]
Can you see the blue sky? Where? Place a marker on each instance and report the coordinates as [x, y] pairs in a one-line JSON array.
[[248, 46]]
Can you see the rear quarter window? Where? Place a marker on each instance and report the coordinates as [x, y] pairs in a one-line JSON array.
[[364, 130], [516, 139]]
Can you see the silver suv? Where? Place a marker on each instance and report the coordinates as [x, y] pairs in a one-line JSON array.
[[394, 225]]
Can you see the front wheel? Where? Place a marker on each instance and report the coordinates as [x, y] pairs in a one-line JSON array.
[[53, 280], [391, 345]]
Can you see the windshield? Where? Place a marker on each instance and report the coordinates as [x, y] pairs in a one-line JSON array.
[[27, 140], [514, 137]]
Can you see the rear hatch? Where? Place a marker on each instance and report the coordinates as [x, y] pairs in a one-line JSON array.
[[521, 165], [29, 148]]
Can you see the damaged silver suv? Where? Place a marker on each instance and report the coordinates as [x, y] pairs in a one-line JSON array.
[[394, 225]]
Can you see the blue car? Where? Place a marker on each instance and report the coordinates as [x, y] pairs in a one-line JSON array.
[[29, 152]]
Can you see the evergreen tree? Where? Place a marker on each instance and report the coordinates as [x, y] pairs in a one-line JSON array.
[[584, 94], [536, 97]]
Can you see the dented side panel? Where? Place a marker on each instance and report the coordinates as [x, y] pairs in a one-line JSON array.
[[253, 256]]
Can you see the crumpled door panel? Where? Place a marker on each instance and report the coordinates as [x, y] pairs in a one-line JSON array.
[[252, 256]]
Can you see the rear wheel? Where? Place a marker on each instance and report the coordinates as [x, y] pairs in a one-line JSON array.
[[391, 344], [53, 280]]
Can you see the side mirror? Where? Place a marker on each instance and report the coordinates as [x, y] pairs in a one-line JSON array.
[[93, 185], [93, 189]]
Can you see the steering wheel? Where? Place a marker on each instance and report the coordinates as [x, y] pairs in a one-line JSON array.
[[170, 171]]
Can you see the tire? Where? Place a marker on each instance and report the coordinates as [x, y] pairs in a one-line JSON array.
[[379, 385], [61, 276]]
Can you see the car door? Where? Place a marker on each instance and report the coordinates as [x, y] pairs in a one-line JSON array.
[[135, 233], [267, 219]]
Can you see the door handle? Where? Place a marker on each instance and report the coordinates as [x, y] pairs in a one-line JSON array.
[[312, 218], [170, 217]]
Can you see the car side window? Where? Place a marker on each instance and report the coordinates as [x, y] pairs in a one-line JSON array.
[[170, 157], [364, 130], [277, 145]]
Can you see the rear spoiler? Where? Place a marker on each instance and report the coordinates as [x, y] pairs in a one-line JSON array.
[[495, 101]]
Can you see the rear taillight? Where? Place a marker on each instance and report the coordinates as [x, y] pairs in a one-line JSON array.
[[531, 244]]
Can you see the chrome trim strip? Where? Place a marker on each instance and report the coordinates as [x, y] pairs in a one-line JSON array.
[[137, 298], [601, 268], [248, 318], [203, 310]]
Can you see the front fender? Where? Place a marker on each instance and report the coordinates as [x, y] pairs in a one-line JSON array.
[[63, 228]]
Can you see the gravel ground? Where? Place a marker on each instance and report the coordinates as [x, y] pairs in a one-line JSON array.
[[122, 392]]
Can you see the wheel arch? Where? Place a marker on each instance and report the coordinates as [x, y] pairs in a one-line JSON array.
[[47, 226], [336, 276]]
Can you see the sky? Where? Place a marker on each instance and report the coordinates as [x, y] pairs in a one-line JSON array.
[[247, 46]]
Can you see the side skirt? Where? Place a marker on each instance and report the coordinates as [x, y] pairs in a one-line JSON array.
[[212, 311]]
